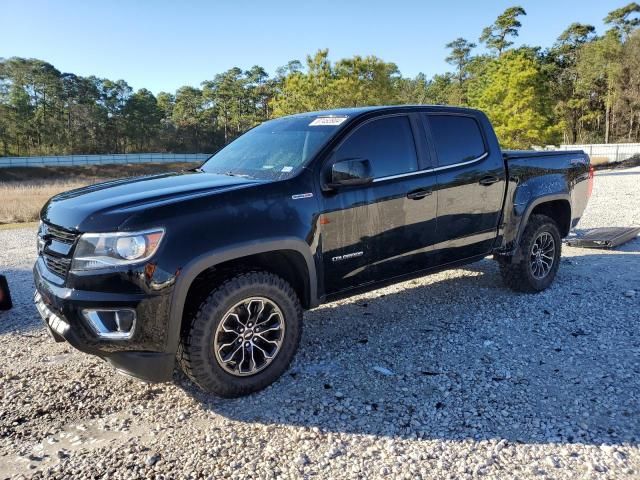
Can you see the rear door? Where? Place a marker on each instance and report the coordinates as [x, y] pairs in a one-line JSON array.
[[471, 183], [384, 229]]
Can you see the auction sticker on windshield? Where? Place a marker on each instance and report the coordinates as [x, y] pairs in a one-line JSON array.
[[327, 121]]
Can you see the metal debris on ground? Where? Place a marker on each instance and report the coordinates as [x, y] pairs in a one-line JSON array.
[[609, 237]]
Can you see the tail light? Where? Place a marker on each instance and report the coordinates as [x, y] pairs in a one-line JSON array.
[[591, 179]]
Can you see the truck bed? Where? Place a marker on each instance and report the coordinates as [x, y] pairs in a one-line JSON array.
[[512, 154]]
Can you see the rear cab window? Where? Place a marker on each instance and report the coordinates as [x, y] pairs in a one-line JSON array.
[[457, 138], [386, 142]]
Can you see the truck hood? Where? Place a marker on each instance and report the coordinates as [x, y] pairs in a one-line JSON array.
[[105, 206]]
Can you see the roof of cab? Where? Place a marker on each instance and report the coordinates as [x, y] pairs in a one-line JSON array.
[[357, 111]]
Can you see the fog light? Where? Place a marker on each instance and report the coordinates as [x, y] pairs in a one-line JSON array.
[[111, 323]]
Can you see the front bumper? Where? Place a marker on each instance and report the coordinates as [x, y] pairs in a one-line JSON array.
[[143, 356]]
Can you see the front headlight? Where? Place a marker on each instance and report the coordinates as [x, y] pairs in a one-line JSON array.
[[101, 250]]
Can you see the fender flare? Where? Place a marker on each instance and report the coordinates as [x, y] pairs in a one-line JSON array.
[[539, 201], [191, 270]]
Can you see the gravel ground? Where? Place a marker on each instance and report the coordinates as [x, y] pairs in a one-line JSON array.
[[448, 376]]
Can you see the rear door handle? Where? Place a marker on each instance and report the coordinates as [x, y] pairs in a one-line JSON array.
[[490, 180], [419, 193]]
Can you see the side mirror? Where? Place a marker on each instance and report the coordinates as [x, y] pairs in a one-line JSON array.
[[350, 172]]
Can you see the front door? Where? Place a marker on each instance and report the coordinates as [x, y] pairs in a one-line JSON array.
[[377, 231]]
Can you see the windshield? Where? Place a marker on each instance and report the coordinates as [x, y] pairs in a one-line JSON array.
[[275, 150]]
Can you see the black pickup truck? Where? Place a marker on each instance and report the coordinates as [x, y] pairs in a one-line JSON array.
[[214, 266]]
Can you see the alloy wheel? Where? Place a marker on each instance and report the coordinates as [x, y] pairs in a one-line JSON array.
[[249, 336], [543, 252]]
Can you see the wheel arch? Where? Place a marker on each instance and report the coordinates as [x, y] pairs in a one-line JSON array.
[[290, 258], [557, 207]]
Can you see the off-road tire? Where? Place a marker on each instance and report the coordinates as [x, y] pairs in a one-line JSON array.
[[196, 355], [519, 275]]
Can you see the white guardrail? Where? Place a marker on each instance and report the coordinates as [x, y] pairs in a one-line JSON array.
[[69, 160], [607, 153], [599, 153]]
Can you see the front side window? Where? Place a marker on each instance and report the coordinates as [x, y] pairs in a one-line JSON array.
[[457, 138], [387, 143], [274, 150]]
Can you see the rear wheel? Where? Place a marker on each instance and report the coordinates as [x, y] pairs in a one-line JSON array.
[[539, 257], [243, 336]]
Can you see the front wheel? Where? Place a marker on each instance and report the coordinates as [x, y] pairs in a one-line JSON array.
[[243, 336], [539, 257]]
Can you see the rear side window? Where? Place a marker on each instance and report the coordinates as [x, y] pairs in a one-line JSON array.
[[457, 138], [387, 143]]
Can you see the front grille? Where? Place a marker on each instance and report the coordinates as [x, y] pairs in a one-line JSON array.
[[56, 233], [56, 262], [58, 265]]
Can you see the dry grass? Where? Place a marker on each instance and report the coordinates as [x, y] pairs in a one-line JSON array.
[[23, 191], [22, 201]]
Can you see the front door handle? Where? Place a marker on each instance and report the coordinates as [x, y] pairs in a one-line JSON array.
[[419, 193], [490, 180]]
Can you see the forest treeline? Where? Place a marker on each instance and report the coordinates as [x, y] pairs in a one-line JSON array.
[[585, 88]]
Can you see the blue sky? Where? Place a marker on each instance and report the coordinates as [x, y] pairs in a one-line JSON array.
[[162, 45]]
